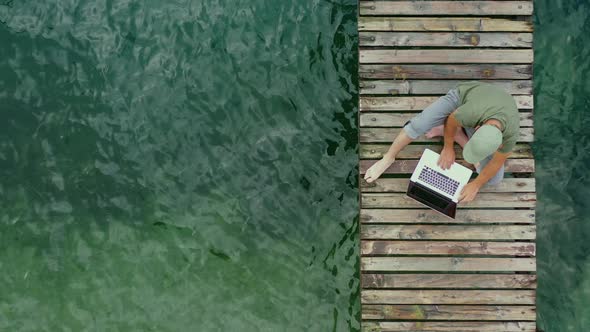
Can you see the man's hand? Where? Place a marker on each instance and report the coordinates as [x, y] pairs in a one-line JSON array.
[[447, 158], [469, 192]]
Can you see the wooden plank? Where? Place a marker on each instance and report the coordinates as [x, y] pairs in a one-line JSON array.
[[445, 8], [419, 103], [448, 312], [458, 281], [466, 72], [435, 87], [482, 200], [408, 166], [509, 185], [386, 135], [446, 56], [448, 232], [414, 151], [449, 327], [369, 119], [499, 297], [456, 264], [428, 216], [463, 24], [446, 248], [446, 39]]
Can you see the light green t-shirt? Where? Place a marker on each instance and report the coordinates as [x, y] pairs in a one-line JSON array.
[[481, 102]]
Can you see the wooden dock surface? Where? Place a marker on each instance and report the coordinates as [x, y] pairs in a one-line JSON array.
[[421, 271]]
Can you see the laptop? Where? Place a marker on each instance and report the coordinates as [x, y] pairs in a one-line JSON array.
[[437, 188]]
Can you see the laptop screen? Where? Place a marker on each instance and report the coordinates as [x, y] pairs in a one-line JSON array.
[[428, 196]]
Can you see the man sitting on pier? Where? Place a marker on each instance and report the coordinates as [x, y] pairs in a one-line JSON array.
[[483, 119]]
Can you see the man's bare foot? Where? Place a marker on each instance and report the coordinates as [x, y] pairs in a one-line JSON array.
[[436, 132], [375, 171]]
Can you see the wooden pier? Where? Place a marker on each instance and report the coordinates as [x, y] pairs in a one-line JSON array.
[[421, 271]]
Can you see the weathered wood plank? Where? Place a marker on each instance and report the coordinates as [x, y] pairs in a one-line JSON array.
[[446, 248], [368, 119], [483, 200], [448, 312], [458, 281], [428, 216], [445, 8], [386, 135], [510, 185], [414, 151], [449, 327], [408, 166], [522, 297], [419, 103], [448, 232], [456, 264], [446, 39], [432, 87], [466, 72], [446, 56], [463, 24]]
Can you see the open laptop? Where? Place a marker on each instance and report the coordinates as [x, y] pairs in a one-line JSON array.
[[437, 188]]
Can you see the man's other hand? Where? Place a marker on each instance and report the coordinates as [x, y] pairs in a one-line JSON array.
[[447, 158], [469, 192]]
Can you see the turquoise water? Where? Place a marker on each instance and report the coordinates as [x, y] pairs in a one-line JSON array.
[[190, 165], [178, 166], [562, 122]]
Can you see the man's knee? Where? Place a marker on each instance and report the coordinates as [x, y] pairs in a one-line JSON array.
[[411, 131]]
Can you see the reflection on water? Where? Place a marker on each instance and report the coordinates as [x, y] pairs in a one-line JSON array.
[[175, 166]]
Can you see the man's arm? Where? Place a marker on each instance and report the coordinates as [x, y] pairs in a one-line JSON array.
[[447, 156], [471, 189]]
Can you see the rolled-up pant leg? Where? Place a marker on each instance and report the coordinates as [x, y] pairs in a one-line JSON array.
[[434, 115], [499, 176]]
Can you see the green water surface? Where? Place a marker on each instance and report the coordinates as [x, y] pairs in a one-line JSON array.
[[178, 165], [562, 153], [191, 165]]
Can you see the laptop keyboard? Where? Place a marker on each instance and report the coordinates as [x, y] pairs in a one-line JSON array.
[[438, 180]]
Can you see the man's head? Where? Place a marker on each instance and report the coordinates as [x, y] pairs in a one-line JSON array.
[[485, 141]]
